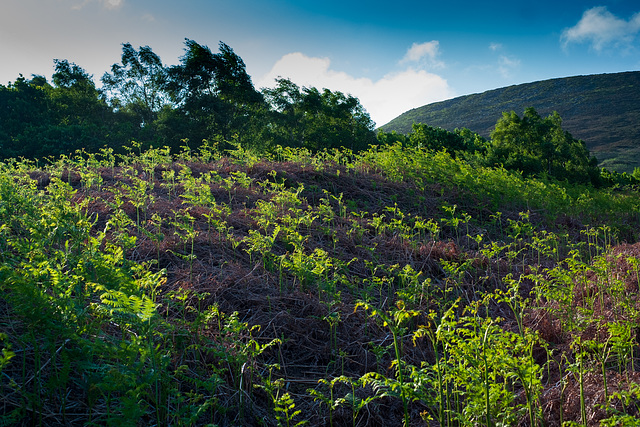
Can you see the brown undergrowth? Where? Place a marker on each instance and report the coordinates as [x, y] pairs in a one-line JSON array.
[[280, 256]]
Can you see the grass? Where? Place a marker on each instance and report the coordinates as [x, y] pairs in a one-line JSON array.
[[392, 287]]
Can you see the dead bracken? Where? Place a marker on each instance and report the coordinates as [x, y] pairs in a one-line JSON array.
[[253, 291]]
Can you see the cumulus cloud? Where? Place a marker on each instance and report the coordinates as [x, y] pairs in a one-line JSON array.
[[384, 99], [602, 29], [495, 46], [425, 54]]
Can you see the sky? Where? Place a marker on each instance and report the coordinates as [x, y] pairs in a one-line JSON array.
[[392, 55]]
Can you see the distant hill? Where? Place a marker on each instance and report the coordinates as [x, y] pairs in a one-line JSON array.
[[603, 110]]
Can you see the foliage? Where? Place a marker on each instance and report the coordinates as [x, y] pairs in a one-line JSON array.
[[536, 146], [41, 120], [460, 142], [137, 84], [213, 92], [207, 98], [266, 276], [394, 286], [530, 145], [307, 118], [600, 109]]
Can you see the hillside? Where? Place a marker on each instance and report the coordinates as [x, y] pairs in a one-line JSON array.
[[603, 110], [392, 287]]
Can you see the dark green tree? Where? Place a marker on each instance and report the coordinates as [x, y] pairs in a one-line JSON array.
[[390, 138], [473, 142], [214, 95], [314, 119], [434, 138], [39, 119], [75, 97], [539, 146], [24, 107], [233, 83], [81, 116], [138, 84]]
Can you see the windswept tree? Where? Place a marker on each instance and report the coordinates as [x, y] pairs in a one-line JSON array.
[[314, 119], [207, 96], [233, 83], [69, 75], [138, 84], [213, 92]]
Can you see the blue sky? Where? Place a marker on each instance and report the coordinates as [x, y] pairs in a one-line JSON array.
[[392, 55]]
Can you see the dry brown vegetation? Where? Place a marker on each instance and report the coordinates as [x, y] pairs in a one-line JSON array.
[[265, 281]]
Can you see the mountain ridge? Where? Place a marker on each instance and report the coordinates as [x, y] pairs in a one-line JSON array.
[[601, 109]]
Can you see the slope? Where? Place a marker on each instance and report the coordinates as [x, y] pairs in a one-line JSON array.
[[390, 287], [603, 110]]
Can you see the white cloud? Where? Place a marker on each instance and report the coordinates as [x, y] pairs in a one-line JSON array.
[[417, 51], [507, 64], [602, 29], [113, 4], [424, 53], [81, 5], [384, 99]]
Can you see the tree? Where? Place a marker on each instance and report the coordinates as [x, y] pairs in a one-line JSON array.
[[71, 76], [80, 115], [233, 83], [472, 141], [38, 119], [306, 117], [194, 77], [214, 93], [75, 96], [24, 105], [138, 84], [434, 138], [207, 96], [537, 147]]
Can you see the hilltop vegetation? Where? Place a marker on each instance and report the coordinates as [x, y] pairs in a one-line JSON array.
[[207, 97], [602, 110], [530, 145]]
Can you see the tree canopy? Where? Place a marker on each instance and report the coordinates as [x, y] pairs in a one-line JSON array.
[[314, 119], [138, 83], [209, 96], [531, 145], [213, 93], [537, 146], [39, 119]]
